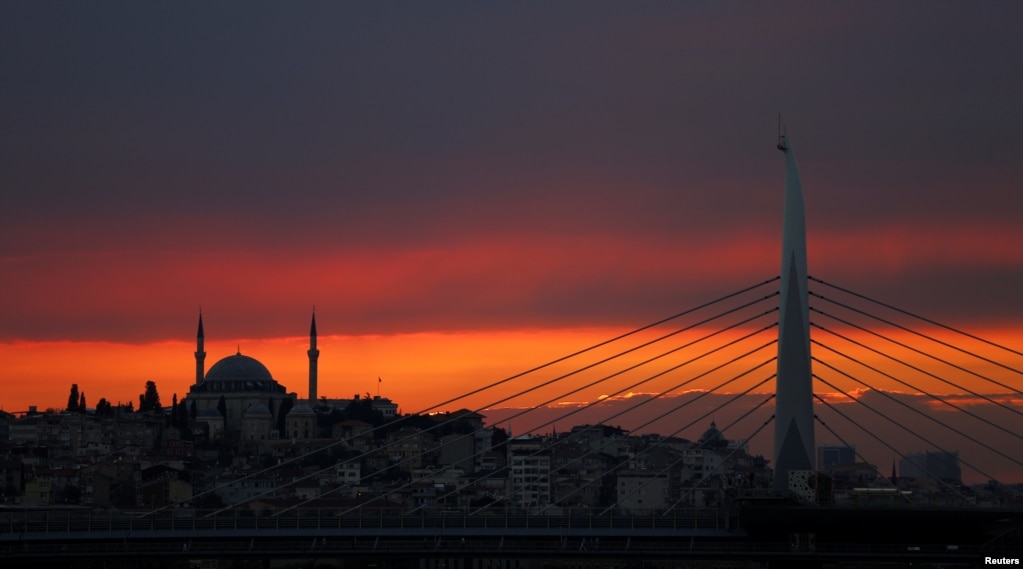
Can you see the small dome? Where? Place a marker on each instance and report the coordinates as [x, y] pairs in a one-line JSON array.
[[301, 409], [257, 409], [208, 413], [239, 368], [712, 435]]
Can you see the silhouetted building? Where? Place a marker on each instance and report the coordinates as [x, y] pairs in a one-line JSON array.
[[530, 467], [300, 423], [941, 465], [642, 492], [712, 437], [243, 390]]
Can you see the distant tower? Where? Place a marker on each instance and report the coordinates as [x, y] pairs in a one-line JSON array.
[[313, 355], [793, 424], [200, 354]]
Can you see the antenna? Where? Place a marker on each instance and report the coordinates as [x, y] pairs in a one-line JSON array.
[[783, 144]]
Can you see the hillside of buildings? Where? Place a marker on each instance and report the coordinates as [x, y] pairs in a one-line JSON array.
[[344, 454]]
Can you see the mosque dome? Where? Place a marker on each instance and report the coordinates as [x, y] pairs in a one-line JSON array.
[[713, 436], [239, 373], [301, 409], [238, 368]]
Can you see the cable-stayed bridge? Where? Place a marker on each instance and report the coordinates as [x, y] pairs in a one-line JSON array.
[[602, 465], [882, 376]]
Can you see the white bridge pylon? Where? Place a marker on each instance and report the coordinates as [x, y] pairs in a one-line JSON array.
[[793, 426]]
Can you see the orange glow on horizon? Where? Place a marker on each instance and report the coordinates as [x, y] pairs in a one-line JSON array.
[[417, 370], [420, 371]]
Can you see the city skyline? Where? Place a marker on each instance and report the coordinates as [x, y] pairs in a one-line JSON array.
[[463, 194]]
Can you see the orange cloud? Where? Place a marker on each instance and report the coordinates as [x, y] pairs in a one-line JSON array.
[[490, 283]]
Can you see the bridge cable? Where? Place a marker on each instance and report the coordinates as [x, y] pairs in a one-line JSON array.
[[572, 436], [696, 486], [919, 390], [700, 445], [606, 342], [575, 390], [929, 321], [919, 412], [890, 447], [901, 426], [510, 378], [675, 409], [858, 455], [455, 419], [678, 407], [689, 344], [911, 348], [918, 369]]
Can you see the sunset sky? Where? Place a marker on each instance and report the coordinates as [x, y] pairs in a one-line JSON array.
[[465, 190]]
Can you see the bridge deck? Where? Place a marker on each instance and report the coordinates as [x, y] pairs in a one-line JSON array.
[[27, 536]]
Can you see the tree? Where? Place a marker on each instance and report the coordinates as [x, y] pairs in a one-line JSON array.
[[81, 403], [150, 400], [72, 399], [182, 414], [103, 408], [222, 407], [179, 413]]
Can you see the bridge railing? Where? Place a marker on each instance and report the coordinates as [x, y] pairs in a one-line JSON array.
[[213, 546], [366, 518]]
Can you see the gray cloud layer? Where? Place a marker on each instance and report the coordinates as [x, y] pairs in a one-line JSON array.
[[170, 129]]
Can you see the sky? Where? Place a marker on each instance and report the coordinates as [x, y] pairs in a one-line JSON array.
[[465, 190]]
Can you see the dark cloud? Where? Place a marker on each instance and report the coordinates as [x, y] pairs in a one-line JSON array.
[[137, 131]]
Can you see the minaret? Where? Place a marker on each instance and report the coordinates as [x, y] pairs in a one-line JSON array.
[[200, 354], [793, 424], [313, 355]]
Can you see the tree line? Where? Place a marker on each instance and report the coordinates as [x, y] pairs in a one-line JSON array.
[[149, 401]]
